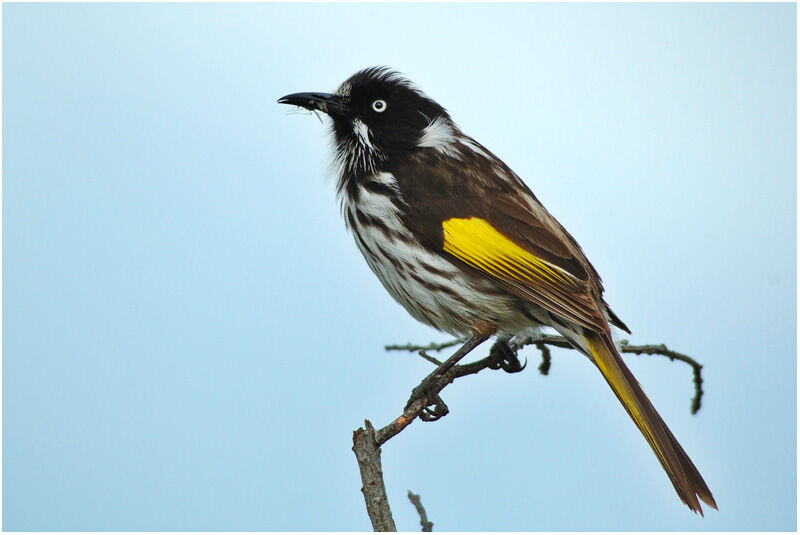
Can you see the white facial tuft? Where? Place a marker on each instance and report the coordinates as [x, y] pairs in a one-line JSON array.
[[344, 90], [437, 135]]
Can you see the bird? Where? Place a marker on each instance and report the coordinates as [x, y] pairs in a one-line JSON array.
[[461, 242]]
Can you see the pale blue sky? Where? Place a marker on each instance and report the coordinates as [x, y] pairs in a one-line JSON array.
[[190, 335]]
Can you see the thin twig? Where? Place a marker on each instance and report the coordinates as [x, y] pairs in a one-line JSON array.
[[544, 367], [433, 346], [435, 362], [661, 349], [426, 524]]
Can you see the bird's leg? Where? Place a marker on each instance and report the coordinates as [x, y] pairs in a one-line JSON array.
[[505, 358], [429, 388]]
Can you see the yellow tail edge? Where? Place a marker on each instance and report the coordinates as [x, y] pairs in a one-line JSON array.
[[683, 474]]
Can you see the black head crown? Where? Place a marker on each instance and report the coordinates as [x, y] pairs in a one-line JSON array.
[[377, 114]]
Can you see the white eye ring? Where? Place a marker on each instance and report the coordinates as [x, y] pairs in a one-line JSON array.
[[379, 105]]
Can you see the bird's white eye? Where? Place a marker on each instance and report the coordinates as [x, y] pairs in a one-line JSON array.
[[379, 105]]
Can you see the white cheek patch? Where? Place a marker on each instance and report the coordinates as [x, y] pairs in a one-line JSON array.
[[361, 130]]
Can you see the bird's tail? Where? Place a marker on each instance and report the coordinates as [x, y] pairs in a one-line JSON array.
[[679, 467]]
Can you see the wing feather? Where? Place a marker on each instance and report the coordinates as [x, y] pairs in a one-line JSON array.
[[479, 244]]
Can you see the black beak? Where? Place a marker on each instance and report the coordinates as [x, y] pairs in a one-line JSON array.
[[324, 102]]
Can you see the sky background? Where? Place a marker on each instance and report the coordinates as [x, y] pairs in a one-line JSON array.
[[191, 336]]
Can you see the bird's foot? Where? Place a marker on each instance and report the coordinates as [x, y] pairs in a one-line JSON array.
[[435, 407], [505, 358], [434, 411]]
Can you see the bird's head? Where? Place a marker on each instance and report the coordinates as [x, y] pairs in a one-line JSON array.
[[377, 114]]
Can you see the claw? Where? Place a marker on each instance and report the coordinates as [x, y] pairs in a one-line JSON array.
[[513, 366], [434, 411], [505, 358], [428, 389]]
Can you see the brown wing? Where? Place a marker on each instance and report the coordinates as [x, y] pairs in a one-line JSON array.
[[479, 212]]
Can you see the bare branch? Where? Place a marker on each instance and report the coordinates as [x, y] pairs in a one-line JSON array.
[[426, 524], [368, 455], [366, 443], [546, 340]]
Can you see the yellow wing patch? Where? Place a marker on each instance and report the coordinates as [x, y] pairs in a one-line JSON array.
[[476, 242]]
